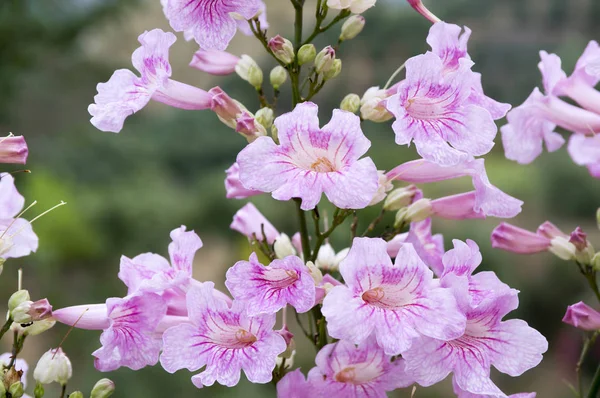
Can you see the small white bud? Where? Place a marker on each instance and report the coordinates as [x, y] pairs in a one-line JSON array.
[[352, 27], [278, 76], [316, 273], [334, 71], [104, 388], [248, 69], [17, 298], [265, 117], [21, 312], [562, 248], [399, 198], [372, 108], [324, 60], [350, 103], [306, 54], [283, 246]]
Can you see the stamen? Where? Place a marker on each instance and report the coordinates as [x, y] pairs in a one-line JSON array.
[[17, 217], [7, 137], [62, 203]]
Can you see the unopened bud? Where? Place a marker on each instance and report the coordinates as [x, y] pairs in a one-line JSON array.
[[53, 366], [315, 272], [275, 133], [104, 388], [598, 218], [334, 71], [33, 329], [21, 313], [40, 310], [562, 248], [249, 127], [39, 390], [418, 211], [16, 390], [17, 298], [352, 27], [596, 261], [350, 103], [289, 342], [265, 117], [226, 108], [282, 49], [248, 69], [288, 355], [399, 198], [372, 107], [278, 76], [324, 60], [306, 54], [76, 394], [283, 246]]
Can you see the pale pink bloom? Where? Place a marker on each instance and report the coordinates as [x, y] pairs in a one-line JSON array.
[[13, 149], [225, 340], [250, 222], [394, 302], [267, 289], [294, 385], [214, 62], [433, 109], [243, 25], [456, 207], [430, 248], [550, 231], [511, 346], [310, 161], [355, 6], [233, 186], [125, 93], [582, 316], [585, 151], [421, 9], [383, 187], [517, 240], [364, 371], [17, 238], [20, 364], [449, 43], [464, 394]]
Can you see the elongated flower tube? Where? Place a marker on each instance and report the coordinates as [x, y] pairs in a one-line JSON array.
[[424, 11], [13, 149], [250, 222], [17, 238], [582, 317], [214, 62], [125, 93]]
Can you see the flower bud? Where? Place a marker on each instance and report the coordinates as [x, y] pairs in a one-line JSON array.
[[315, 272], [104, 388], [282, 49], [418, 211], [16, 390], [21, 313], [265, 117], [585, 251], [17, 298], [350, 103], [582, 316], [33, 329], [226, 108], [399, 198], [334, 71], [324, 60], [283, 246], [596, 261], [248, 127], [275, 134], [290, 345], [39, 390], [40, 310], [372, 107], [53, 366], [562, 248], [76, 394], [278, 76], [598, 218], [352, 27], [248, 69], [306, 54]]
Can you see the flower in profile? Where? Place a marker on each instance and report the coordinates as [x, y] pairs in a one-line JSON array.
[[582, 316], [294, 385], [13, 149], [125, 93], [346, 370], [225, 340], [433, 110], [355, 6], [17, 238], [395, 302], [267, 289], [250, 222], [585, 151], [215, 62], [510, 346], [311, 161], [233, 187], [209, 21]]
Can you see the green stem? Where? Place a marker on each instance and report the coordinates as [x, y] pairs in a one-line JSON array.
[[318, 29], [63, 391], [296, 97], [589, 342], [338, 218], [6, 327], [298, 6], [303, 229], [595, 387], [591, 278]]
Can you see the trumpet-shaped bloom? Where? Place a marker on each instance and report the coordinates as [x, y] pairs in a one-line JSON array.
[[13, 149], [250, 222], [585, 151], [395, 302], [582, 316], [510, 346], [214, 62], [433, 110], [209, 21], [233, 186], [363, 371], [266, 290], [294, 385], [311, 161], [517, 240], [225, 340], [17, 238], [580, 85], [125, 93]]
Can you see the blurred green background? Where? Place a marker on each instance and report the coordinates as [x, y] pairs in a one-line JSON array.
[[126, 192]]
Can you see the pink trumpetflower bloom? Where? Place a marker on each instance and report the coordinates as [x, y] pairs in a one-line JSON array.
[[125, 93], [13, 149], [131, 329], [225, 340], [250, 222], [267, 289], [227, 109], [395, 302], [424, 11], [582, 317], [17, 238], [209, 21], [215, 62], [585, 151], [510, 346], [310, 161], [517, 240], [346, 370], [433, 110], [262, 18], [294, 385], [460, 393], [233, 186]]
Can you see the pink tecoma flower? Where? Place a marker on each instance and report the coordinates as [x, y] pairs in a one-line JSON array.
[[310, 161], [125, 93], [585, 151], [395, 302], [225, 340], [449, 43], [424, 11], [233, 187], [210, 22], [267, 289], [464, 394], [132, 328], [13, 149], [433, 110], [294, 385], [250, 222], [582, 317], [510, 346], [346, 370], [215, 62], [17, 238]]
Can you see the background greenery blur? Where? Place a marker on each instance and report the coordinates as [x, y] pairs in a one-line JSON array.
[[166, 168]]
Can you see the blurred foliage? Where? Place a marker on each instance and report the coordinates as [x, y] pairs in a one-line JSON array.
[[126, 192]]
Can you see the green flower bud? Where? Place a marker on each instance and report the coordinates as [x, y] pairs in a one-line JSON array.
[[399, 198], [21, 312], [334, 71], [418, 211], [104, 388], [76, 394], [37, 327], [17, 298], [352, 27], [249, 70], [265, 117], [39, 390], [598, 218], [278, 76], [275, 133], [16, 390], [282, 49], [596, 261], [306, 54], [350, 103], [324, 60]]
